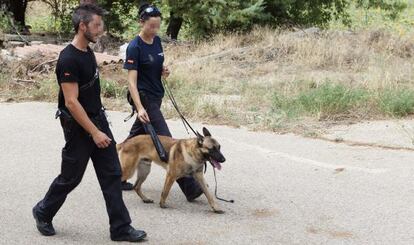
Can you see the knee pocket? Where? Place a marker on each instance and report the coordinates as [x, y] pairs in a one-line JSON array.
[[70, 169]]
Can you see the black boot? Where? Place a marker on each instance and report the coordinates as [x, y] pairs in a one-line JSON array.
[[125, 186], [194, 195], [131, 235], [190, 188], [44, 227]]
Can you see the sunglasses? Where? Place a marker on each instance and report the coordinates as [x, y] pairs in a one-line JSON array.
[[151, 11]]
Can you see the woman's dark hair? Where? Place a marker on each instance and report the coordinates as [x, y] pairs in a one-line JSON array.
[[84, 13], [147, 10]]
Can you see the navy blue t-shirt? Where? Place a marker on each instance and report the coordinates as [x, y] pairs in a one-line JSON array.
[[148, 60]]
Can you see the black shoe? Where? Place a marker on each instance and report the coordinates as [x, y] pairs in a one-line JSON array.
[[125, 186], [45, 228], [191, 197], [132, 235]]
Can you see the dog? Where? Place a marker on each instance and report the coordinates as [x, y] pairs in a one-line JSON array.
[[186, 157]]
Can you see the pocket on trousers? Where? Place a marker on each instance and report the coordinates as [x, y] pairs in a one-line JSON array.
[[69, 127], [69, 166]]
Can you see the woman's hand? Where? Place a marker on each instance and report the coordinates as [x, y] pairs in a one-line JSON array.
[[165, 72], [143, 115]]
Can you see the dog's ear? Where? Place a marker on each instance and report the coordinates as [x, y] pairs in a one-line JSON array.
[[200, 139], [206, 132]]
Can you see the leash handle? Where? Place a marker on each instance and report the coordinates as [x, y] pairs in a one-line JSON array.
[[149, 129]]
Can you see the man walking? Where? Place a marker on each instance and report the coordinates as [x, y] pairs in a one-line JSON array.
[[86, 131]]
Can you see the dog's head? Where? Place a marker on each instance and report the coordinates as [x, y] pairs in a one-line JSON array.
[[210, 149]]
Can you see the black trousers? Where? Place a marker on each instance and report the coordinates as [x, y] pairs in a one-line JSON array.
[[188, 185], [79, 148]]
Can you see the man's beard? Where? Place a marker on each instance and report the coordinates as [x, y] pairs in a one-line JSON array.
[[89, 37]]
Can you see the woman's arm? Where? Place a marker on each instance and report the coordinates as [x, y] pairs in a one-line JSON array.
[[133, 90]]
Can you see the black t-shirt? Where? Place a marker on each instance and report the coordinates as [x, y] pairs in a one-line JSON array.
[[148, 60], [78, 66]]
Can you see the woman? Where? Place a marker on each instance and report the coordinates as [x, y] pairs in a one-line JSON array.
[[144, 62]]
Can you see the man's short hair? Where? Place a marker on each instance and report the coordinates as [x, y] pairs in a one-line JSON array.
[[84, 13]]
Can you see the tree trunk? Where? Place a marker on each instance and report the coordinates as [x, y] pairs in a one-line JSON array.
[[174, 26], [18, 8]]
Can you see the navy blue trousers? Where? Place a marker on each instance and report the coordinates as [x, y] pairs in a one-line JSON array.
[[79, 148]]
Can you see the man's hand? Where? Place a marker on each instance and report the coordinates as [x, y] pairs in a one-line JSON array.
[[101, 139], [143, 115], [71, 92], [165, 72]]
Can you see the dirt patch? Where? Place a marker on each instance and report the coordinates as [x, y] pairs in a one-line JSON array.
[[265, 213], [339, 170], [332, 233]]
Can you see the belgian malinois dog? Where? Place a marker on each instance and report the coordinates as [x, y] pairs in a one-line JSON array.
[[186, 157]]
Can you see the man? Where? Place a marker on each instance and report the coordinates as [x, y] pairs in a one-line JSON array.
[[86, 132]]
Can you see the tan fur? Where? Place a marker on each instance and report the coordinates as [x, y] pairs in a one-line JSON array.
[[185, 158]]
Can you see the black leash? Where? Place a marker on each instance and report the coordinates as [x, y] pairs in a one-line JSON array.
[[186, 123], [172, 99], [183, 119], [215, 190]]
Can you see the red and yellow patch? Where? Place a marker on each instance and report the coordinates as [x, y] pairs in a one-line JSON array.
[[130, 61]]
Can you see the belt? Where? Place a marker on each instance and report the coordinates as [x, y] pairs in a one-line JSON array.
[[64, 112]]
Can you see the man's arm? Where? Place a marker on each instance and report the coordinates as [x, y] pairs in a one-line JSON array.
[[71, 93]]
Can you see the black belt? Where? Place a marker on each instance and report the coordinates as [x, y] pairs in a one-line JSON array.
[[65, 113]]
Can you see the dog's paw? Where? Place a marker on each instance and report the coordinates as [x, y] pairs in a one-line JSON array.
[[218, 211], [163, 205], [148, 201]]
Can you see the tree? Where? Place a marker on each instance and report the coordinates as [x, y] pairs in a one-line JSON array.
[[207, 17], [18, 9], [305, 12], [61, 11], [174, 25], [394, 8]]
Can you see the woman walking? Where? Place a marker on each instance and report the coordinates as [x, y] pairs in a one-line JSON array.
[[144, 62]]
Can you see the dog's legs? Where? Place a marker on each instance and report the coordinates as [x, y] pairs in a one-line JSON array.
[[127, 165], [169, 181], [144, 168], [200, 179]]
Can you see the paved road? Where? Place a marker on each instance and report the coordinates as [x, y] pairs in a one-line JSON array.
[[288, 190]]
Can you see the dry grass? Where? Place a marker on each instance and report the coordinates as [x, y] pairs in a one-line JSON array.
[[237, 76], [278, 80], [267, 57]]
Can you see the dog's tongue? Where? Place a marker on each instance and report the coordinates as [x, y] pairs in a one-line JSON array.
[[215, 164]]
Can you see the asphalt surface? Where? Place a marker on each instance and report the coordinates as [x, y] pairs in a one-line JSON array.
[[287, 190]]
